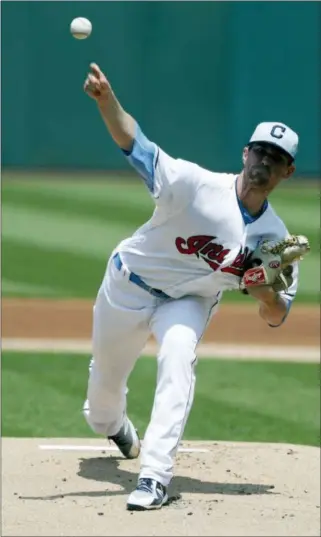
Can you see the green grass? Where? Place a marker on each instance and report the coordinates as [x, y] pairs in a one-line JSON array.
[[42, 396], [57, 233]]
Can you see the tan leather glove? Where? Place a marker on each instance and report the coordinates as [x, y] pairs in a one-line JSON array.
[[271, 263]]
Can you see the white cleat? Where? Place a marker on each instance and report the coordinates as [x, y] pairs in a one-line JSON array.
[[127, 440], [149, 494]]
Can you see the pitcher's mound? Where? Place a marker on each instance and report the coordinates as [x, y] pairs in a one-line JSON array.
[[76, 487]]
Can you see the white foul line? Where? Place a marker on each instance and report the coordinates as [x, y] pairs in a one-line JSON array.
[[66, 447]]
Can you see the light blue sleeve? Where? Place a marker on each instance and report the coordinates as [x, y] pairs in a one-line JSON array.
[[143, 157], [171, 182]]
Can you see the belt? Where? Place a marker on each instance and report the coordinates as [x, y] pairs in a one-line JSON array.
[[134, 278]]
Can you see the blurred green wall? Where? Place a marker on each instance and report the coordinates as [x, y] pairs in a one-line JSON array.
[[198, 76]]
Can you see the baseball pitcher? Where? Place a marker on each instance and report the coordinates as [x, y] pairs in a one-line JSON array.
[[209, 233]]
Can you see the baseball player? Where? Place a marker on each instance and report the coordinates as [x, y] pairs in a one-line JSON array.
[[169, 277]]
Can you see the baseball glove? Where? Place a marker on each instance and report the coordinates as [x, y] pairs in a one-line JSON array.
[[271, 263]]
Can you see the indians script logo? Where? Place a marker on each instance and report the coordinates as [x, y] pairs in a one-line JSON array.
[[205, 247]]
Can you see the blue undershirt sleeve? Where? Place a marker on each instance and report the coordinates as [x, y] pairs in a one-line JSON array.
[[143, 157]]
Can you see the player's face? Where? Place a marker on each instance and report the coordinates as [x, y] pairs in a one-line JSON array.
[[265, 166]]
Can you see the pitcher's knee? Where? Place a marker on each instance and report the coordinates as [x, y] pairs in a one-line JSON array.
[[97, 426], [105, 421]]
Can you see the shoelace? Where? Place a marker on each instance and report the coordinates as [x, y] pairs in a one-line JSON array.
[[145, 484]]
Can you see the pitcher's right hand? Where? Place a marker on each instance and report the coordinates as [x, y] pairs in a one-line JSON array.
[[96, 85]]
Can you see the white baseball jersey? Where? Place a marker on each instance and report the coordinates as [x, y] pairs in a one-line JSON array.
[[199, 235]]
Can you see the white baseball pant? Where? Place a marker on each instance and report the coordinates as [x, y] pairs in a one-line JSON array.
[[124, 317]]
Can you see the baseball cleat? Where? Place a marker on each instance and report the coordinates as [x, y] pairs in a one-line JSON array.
[[127, 440], [149, 494]]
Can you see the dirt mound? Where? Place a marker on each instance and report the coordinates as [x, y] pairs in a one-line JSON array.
[[226, 489]]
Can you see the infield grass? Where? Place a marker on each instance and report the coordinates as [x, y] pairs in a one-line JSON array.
[[42, 396]]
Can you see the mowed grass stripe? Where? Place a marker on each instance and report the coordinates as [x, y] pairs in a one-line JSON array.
[[239, 391], [76, 234], [248, 424], [237, 401], [115, 205], [66, 273], [299, 208], [82, 187], [12, 288], [290, 191], [120, 196]]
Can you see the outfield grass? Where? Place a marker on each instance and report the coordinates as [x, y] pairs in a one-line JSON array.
[[42, 396], [57, 234]]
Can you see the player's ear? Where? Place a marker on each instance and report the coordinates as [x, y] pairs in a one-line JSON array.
[[245, 154], [290, 171]]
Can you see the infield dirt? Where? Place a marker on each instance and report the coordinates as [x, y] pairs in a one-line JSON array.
[[232, 489], [234, 323]]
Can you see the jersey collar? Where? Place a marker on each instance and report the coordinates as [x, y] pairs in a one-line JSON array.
[[247, 217]]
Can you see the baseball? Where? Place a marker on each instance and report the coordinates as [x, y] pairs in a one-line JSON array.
[[80, 28]]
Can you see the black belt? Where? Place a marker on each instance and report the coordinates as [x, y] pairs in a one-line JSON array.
[[138, 281]]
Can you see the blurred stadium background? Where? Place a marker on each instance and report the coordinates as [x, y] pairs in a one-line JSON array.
[[198, 76]]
